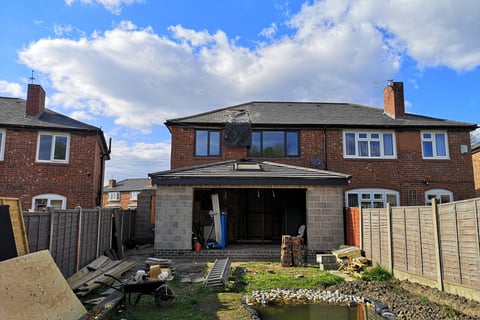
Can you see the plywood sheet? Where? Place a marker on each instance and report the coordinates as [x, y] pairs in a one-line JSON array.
[[18, 226], [32, 287]]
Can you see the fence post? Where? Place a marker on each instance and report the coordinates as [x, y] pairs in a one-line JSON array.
[[389, 237], [99, 224], [79, 237], [436, 241], [360, 219], [51, 211]]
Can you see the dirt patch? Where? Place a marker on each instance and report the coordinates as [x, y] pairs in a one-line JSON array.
[[409, 300]]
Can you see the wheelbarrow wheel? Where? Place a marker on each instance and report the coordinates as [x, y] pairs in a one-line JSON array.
[[164, 296]]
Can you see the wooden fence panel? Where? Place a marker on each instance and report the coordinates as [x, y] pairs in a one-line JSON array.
[[439, 244], [75, 237]]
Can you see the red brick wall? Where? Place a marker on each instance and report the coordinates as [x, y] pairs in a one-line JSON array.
[[476, 171], [408, 172], [23, 178], [352, 227]]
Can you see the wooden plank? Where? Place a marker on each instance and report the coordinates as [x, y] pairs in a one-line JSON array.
[[92, 275], [88, 269], [34, 288], [18, 226], [116, 271]]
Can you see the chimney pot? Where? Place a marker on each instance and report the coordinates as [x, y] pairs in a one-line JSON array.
[[35, 100], [393, 100]]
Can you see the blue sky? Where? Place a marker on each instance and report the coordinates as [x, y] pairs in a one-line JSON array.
[[128, 65]]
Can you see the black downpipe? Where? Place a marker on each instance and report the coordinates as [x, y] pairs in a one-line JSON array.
[[325, 147]]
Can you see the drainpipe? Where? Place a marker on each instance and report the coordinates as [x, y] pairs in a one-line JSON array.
[[325, 147]]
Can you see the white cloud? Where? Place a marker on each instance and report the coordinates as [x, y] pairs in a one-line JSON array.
[[433, 32], [114, 6], [138, 160], [11, 89], [335, 51]]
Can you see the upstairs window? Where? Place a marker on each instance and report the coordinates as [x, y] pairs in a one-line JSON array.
[[134, 195], [207, 143], [371, 198], [53, 147], [434, 145], [443, 196], [274, 144], [114, 196], [369, 144], [2, 144]]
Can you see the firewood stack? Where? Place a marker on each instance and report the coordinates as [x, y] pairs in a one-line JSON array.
[[293, 251]]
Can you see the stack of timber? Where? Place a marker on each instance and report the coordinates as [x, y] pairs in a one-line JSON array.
[[292, 251], [350, 259], [93, 275]]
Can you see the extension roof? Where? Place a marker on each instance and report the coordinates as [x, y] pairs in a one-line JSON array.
[[243, 172], [313, 114]]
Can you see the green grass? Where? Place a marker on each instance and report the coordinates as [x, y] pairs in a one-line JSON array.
[[377, 273], [219, 303]]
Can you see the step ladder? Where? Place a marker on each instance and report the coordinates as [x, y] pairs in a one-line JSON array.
[[218, 275]]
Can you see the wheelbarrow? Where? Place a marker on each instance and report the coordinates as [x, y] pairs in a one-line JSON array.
[[162, 294]]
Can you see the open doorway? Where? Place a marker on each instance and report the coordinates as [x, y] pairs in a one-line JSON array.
[[254, 215]]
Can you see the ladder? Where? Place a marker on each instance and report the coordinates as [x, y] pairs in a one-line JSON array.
[[218, 275]]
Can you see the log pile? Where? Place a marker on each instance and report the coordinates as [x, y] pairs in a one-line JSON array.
[[292, 251]]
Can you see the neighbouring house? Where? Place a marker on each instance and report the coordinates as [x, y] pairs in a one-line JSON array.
[[278, 165], [475, 137], [48, 159], [134, 194], [124, 193]]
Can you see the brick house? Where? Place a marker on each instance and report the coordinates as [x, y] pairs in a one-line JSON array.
[[377, 156], [124, 194], [48, 159]]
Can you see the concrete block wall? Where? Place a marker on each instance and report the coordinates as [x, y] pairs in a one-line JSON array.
[[324, 218], [144, 228], [173, 222]]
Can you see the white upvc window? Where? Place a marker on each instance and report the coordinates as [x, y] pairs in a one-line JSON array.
[[53, 147], [442, 195], [134, 195], [371, 198], [42, 201], [114, 196], [369, 144], [434, 145], [2, 144]]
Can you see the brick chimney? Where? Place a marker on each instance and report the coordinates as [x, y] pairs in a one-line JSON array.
[[393, 100], [112, 183], [35, 100]]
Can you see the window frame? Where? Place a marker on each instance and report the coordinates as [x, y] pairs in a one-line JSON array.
[[438, 193], [434, 143], [372, 192], [209, 152], [369, 140], [134, 195], [50, 197], [112, 198], [3, 137], [55, 136], [286, 141]]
